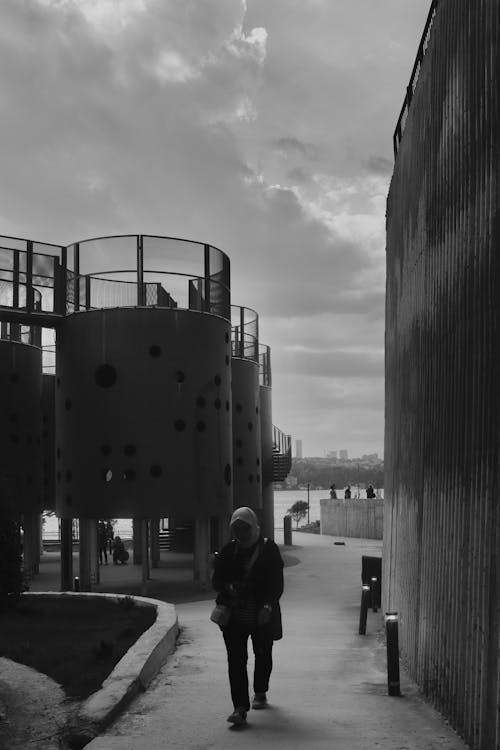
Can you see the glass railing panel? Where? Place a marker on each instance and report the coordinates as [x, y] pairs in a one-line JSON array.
[[13, 243], [174, 255], [103, 254]]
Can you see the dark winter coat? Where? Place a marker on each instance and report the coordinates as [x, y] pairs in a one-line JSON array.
[[264, 583]]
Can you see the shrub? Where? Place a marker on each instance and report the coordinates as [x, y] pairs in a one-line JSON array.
[[12, 582]]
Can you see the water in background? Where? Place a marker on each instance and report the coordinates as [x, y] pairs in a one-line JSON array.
[[283, 500]]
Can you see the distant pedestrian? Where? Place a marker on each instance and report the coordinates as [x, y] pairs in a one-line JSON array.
[[102, 539], [110, 535], [347, 493], [120, 554], [333, 492], [370, 492], [248, 576]]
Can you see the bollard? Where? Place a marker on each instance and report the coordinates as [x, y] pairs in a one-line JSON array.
[[287, 531], [392, 641], [374, 593], [76, 584], [365, 596]]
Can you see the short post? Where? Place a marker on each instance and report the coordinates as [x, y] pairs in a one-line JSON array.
[[374, 593], [76, 584], [392, 641], [287, 531], [363, 612]]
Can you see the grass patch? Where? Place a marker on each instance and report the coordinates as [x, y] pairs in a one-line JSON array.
[[75, 641]]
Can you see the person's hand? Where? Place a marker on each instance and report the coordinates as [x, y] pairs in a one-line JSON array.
[[264, 615]]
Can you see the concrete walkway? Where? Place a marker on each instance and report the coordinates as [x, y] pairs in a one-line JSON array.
[[329, 685]]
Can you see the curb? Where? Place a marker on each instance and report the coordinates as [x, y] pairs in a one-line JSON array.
[[134, 671]]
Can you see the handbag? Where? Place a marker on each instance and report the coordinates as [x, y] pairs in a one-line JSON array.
[[220, 615]]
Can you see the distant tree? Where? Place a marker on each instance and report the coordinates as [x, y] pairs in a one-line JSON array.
[[298, 511]]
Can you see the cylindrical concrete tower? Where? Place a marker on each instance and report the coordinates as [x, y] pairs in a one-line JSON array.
[[48, 441], [266, 431], [143, 414], [246, 410], [20, 440]]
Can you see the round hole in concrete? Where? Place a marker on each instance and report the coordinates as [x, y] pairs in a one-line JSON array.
[[105, 376]]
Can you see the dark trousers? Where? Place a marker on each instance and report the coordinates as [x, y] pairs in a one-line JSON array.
[[236, 640]]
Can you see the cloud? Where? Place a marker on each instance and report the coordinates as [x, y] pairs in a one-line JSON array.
[[289, 144], [379, 165], [220, 122]]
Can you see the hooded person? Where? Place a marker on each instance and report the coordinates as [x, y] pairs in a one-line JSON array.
[[248, 578]]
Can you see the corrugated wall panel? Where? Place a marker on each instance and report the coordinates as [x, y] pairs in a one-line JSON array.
[[441, 526]]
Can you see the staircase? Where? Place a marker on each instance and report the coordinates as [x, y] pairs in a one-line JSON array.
[[282, 455]]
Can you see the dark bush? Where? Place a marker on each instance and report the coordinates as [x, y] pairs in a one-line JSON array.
[[11, 573]]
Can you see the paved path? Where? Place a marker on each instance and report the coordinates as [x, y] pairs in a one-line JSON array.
[[328, 688]]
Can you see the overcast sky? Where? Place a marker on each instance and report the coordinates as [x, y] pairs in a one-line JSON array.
[[262, 127]]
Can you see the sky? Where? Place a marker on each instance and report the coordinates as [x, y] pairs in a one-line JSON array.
[[263, 127]]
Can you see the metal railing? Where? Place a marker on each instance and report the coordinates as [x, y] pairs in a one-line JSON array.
[[410, 89], [41, 283], [244, 333]]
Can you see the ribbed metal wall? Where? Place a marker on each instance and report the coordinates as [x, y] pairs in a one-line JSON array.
[[441, 536]]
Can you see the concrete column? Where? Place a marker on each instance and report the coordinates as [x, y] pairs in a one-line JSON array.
[[137, 544], [268, 511], [154, 541], [144, 526], [29, 546], [201, 561], [89, 559], [224, 530], [94, 552], [66, 554]]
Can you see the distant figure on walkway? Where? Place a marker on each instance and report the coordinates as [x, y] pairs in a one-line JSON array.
[[333, 492], [370, 492], [110, 535], [102, 539], [248, 576], [347, 493], [120, 554]]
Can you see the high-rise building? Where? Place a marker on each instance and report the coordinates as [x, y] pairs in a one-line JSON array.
[[343, 454], [298, 449]]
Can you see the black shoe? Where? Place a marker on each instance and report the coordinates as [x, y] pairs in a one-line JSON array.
[[239, 716], [259, 701]]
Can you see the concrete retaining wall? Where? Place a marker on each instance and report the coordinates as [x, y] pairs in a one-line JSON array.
[[363, 519]]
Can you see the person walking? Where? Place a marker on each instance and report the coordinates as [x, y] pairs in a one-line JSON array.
[[110, 535], [248, 578], [347, 493], [103, 542], [333, 492]]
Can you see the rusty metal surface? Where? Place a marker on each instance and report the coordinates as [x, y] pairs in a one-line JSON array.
[[441, 536]]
